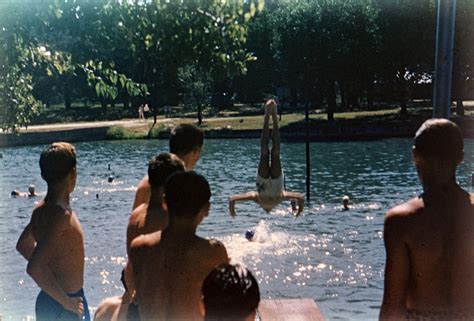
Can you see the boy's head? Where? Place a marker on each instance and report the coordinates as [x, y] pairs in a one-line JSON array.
[[57, 161], [186, 141], [230, 292], [187, 194], [161, 167], [438, 144]]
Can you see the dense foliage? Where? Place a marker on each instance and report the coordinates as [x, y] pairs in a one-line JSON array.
[[333, 54]]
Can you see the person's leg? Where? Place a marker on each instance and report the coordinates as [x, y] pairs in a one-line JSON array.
[[275, 168], [263, 165]]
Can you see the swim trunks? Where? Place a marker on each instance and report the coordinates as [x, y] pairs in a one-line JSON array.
[[270, 187], [48, 309], [132, 312]]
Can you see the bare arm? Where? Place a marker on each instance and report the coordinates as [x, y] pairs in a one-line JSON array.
[[38, 267], [297, 196], [397, 270], [26, 243], [143, 193], [249, 196]]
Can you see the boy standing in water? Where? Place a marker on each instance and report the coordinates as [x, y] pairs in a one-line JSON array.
[[53, 241], [170, 266], [429, 240], [270, 190], [186, 141]]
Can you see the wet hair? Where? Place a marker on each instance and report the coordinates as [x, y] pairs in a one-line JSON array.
[[185, 138], [230, 292], [57, 161], [161, 167], [186, 193], [439, 139]]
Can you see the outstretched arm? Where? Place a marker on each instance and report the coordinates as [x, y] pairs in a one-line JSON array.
[[249, 196], [298, 197]]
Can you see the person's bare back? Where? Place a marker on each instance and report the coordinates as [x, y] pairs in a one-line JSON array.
[[429, 240], [169, 267], [175, 270], [61, 226], [438, 233]]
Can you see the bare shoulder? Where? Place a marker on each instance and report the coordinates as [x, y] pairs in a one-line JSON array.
[[406, 210], [143, 183], [471, 196], [214, 250], [144, 242]]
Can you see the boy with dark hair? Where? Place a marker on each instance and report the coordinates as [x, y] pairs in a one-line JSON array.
[[230, 292], [170, 265], [429, 240], [53, 241], [186, 141], [147, 218]]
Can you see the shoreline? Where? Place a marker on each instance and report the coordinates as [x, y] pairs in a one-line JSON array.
[[319, 130]]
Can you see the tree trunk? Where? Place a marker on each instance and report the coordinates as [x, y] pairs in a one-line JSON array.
[[331, 96], [460, 107], [67, 96], [370, 95], [199, 114], [342, 89]]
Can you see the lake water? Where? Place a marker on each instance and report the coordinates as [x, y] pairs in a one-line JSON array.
[[332, 256]]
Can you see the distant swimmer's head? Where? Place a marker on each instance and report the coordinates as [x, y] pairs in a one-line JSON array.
[[58, 164], [187, 196], [161, 167], [31, 190], [110, 179], [345, 202], [186, 141], [15, 193], [230, 292], [438, 147], [249, 235]]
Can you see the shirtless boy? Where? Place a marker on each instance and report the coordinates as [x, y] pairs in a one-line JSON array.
[[429, 240], [186, 142], [53, 241], [170, 266], [270, 191]]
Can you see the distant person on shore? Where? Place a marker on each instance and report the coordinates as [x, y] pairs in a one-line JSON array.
[[146, 112], [141, 115], [53, 241], [186, 141], [429, 240], [230, 292], [170, 266], [270, 190]]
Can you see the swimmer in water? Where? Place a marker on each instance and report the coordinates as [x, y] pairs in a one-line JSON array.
[[270, 191], [31, 192], [345, 202]]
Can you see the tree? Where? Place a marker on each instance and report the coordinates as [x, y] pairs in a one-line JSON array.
[[196, 85]]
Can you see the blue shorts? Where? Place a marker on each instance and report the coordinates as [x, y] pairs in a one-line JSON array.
[[48, 309]]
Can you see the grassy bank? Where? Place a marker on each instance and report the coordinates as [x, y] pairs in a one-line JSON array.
[[291, 123]]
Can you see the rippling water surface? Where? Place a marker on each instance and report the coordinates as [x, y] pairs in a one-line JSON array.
[[335, 257]]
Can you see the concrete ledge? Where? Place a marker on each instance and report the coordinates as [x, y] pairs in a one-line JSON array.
[[289, 310], [48, 137]]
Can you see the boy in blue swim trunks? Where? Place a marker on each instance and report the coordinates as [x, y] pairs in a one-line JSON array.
[[53, 241], [269, 183]]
